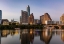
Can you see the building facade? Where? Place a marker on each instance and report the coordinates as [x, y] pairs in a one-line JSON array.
[[20, 20], [24, 16], [36, 21], [16, 22], [13, 22], [41, 19], [45, 17], [5, 22], [24, 19], [62, 18], [0, 16], [28, 10], [31, 19]]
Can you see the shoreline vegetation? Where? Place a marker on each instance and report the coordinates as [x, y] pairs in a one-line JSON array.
[[21, 26], [39, 26]]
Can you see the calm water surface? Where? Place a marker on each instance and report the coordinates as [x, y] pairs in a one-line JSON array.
[[31, 36]]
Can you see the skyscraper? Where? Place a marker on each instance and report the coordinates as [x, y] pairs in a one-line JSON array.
[[28, 10], [24, 18], [0, 16]]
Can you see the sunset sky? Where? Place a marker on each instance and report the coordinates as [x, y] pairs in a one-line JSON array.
[[12, 8]]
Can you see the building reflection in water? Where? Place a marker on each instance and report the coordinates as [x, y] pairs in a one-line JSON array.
[[26, 36], [62, 36], [31, 35], [46, 36], [5, 33], [12, 32]]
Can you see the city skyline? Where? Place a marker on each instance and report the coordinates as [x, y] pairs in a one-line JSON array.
[[12, 8]]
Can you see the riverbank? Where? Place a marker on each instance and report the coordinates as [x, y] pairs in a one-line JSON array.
[[21, 26], [26, 27]]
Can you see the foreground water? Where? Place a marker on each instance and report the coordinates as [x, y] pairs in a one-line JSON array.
[[31, 36]]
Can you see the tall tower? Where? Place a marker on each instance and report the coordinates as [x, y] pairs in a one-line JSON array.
[[0, 16], [28, 10], [24, 18]]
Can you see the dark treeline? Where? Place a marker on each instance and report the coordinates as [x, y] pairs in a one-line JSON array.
[[21, 26], [26, 26]]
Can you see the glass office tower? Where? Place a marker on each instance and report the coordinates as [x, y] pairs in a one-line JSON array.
[[28, 10]]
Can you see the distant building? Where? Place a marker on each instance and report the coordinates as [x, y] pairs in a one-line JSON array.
[[0, 16], [62, 18], [13, 22], [28, 10], [41, 19], [24, 19], [5, 22], [53, 22], [36, 21], [16, 22], [20, 19], [45, 17], [31, 19]]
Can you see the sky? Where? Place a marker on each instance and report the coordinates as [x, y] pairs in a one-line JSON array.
[[11, 9]]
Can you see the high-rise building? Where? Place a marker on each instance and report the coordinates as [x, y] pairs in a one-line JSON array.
[[0, 16], [28, 10], [62, 18], [25, 15], [45, 17], [41, 18], [20, 19], [24, 19], [31, 19]]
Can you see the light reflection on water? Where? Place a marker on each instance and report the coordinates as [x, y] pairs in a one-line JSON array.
[[31, 36]]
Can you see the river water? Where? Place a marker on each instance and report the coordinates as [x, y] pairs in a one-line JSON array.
[[31, 36]]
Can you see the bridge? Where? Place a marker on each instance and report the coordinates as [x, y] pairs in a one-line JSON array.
[[53, 26]]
